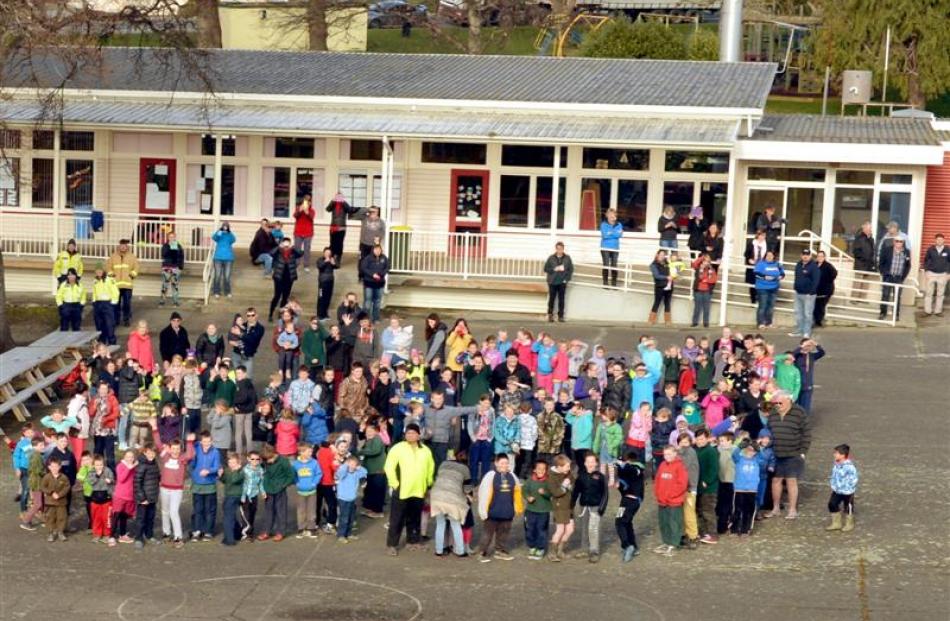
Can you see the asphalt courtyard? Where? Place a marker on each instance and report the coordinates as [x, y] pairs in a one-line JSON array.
[[885, 392]]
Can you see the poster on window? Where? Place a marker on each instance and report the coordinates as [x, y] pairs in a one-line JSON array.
[[469, 198]]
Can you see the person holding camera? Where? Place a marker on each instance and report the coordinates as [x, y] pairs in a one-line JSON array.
[[223, 260], [772, 225]]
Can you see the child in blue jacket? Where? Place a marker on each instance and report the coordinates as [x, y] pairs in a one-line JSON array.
[[313, 425], [205, 469], [308, 476], [348, 478], [746, 486], [844, 483]]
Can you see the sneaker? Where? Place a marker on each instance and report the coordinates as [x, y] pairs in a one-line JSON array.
[[179, 544], [97, 539], [482, 559], [217, 296], [342, 540], [354, 537], [27, 526], [667, 551], [391, 551], [155, 542], [593, 558], [126, 539], [536, 555], [504, 556], [111, 541], [707, 538], [628, 553], [263, 537], [794, 333], [329, 529], [207, 538], [278, 538], [310, 534], [230, 296], [660, 549], [301, 534], [139, 544], [692, 544], [196, 535], [51, 538]]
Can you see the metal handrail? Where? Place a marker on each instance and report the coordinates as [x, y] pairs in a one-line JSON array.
[[207, 274]]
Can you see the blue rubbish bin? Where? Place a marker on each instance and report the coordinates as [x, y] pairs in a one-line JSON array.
[[82, 214]]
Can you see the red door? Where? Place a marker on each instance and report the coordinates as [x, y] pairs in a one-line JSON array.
[[157, 187], [468, 211]]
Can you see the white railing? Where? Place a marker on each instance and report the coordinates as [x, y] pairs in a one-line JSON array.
[[207, 276]]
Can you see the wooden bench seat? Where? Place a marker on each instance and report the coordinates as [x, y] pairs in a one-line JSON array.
[[497, 285]]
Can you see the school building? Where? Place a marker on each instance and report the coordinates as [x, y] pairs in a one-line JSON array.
[[486, 160]]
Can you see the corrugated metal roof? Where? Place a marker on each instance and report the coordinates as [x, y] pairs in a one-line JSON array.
[[846, 129], [486, 126], [624, 82]]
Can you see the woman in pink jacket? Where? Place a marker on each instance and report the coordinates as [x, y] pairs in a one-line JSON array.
[[140, 346]]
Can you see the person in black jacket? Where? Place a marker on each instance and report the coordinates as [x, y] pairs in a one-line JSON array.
[[713, 244], [325, 268], [630, 482], [667, 228], [374, 268], [696, 227], [617, 392], [807, 275], [894, 266], [173, 340], [826, 287], [862, 248], [511, 366], [261, 247], [245, 400], [251, 342], [146, 490], [772, 225], [209, 350], [339, 211], [590, 493], [559, 268], [284, 273], [937, 271]]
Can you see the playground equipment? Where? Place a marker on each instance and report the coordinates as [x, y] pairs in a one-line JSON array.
[[560, 32]]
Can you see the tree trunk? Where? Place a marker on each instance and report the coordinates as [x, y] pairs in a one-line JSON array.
[[915, 94], [317, 24], [209, 24], [6, 338], [474, 27]]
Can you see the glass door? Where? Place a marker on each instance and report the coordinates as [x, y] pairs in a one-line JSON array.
[[759, 199], [803, 211]]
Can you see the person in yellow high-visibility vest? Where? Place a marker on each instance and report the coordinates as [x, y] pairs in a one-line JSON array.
[[68, 259], [105, 299], [70, 298], [123, 266]]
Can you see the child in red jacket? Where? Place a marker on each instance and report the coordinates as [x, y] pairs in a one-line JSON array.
[[672, 482], [332, 453]]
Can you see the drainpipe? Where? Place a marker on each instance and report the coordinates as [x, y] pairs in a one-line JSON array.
[[730, 31], [732, 228], [216, 183]]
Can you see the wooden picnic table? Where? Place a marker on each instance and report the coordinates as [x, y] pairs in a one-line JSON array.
[[69, 341], [27, 364]]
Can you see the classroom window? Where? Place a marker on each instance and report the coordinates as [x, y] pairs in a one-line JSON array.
[[78, 141], [531, 156], [514, 200], [9, 139], [855, 177], [893, 206], [371, 150], [395, 191], [42, 183], [43, 139], [697, 161], [355, 189], [9, 182], [896, 179], [453, 153], [79, 183], [227, 189], [227, 145], [296, 148], [595, 200], [281, 192], [632, 204], [542, 202], [617, 159], [787, 174], [679, 196]]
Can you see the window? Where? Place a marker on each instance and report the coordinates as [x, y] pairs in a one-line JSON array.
[[632, 204], [297, 148], [712, 198], [856, 177], [679, 196], [9, 182], [787, 174], [43, 139], [513, 201], [9, 139], [354, 188], [595, 200], [79, 183], [78, 141], [617, 159], [42, 183], [697, 162], [281, 192], [531, 156], [366, 150], [453, 153], [227, 189], [893, 206], [852, 209], [896, 179], [395, 199], [227, 145], [542, 202]]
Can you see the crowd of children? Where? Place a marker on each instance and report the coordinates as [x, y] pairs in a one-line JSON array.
[[531, 428]]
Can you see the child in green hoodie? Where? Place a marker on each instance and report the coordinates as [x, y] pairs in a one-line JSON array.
[[537, 513], [85, 465], [708, 457], [35, 473], [787, 375], [233, 480], [608, 437], [278, 476]]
